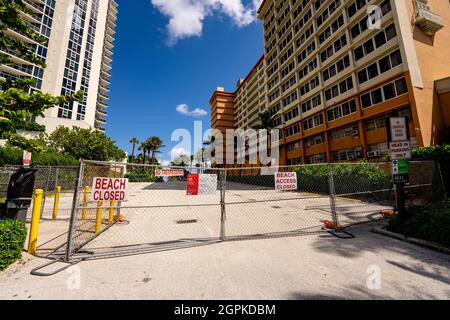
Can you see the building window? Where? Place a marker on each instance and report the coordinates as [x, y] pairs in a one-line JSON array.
[[381, 66], [347, 154], [342, 110], [317, 158], [387, 92], [313, 122], [314, 140], [347, 131]]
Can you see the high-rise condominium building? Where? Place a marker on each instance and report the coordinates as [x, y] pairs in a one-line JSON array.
[[336, 69], [78, 55]]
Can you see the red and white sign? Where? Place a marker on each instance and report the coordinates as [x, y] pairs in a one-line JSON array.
[[201, 184], [398, 129], [26, 159], [400, 150], [285, 180], [109, 189], [169, 173]]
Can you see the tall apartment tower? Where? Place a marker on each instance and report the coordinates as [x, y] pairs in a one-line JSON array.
[[78, 55], [336, 69]]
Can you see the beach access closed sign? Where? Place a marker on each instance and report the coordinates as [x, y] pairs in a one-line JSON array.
[[109, 189], [201, 184], [169, 172], [285, 180]]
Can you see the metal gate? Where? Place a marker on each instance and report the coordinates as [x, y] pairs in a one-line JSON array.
[[159, 215]]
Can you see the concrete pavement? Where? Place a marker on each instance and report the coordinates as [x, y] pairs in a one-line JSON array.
[[305, 267]]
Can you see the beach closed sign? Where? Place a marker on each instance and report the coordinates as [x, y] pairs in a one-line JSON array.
[[285, 180], [109, 189]]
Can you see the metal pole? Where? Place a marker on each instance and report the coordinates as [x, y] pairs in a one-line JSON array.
[[332, 195], [73, 216], [223, 182], [56, 177]]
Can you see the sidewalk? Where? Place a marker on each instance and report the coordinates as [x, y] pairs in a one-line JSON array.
[[306, 267]]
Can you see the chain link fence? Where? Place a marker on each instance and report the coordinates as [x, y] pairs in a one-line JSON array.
[[242, 203]]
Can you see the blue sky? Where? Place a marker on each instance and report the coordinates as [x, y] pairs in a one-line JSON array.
[[158, 67]]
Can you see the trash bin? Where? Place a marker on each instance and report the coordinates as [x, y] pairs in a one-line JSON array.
[[19, 195]]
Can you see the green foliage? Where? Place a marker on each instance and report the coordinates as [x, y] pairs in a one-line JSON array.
[[12, 239], [142, 175], [430, 222], [348, 178], [84, 144], [17, 104], [440, 154], [13, 156]]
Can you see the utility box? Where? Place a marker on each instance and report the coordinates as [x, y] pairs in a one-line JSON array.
[[19, 195]]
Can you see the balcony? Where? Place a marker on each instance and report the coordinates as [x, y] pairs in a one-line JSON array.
[[30, 18], [18, 36], [33, 6], [15, 70], [99, 119], [427, 21], [12, 55], [101, 113]]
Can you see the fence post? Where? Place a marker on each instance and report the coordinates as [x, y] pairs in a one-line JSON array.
[[332, 195], [85, 202], [98, 217], [56, 202], [223, 183], [56, 176], [111, 212], [35, 219], [73, 216]]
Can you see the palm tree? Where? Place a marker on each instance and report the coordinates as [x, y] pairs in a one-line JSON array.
[[154, 144], [134, 142], [144, 147], [266, 120]]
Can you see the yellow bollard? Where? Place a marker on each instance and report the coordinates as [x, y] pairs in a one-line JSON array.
[[35, 218], [98, 219], [56, 202], [85, 202], [111, 213]]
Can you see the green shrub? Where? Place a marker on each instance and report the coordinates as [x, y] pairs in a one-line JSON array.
[[13, 156], [142, 175], [348, 178], [12, 239], [430, 222], [440, 154]]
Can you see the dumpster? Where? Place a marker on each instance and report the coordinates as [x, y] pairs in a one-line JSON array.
[[19, 194]]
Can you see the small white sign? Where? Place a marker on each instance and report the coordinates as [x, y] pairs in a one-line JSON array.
[[286, 181], [398, 127], [26, 159], [400, 150], [109, 189], [207, 184]]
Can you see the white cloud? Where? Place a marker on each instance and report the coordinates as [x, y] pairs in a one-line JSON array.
[[197, 112], [186, 16], [176, 152]]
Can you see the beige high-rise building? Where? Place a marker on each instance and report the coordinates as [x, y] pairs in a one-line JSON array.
[[78, 55], [336, 69]]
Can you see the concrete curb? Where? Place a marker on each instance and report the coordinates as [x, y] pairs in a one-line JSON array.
[[423, 243]]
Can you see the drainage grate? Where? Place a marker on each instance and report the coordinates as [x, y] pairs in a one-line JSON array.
[[276, 207], [186, 221]]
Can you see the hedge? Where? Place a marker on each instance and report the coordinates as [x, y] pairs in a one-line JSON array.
[[348, 178], [13, 156], [430, 222], [440, 154], [142, 176], [12, 240]]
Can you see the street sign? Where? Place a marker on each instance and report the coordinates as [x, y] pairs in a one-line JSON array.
[[169, 173], [201, 184], [400, 150], [398, 129], [109, 189], [286, 181], [400, 171], [26, 158]]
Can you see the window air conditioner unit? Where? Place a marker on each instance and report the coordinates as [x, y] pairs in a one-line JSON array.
[[351, 157], [428, 21], [373, 154]]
